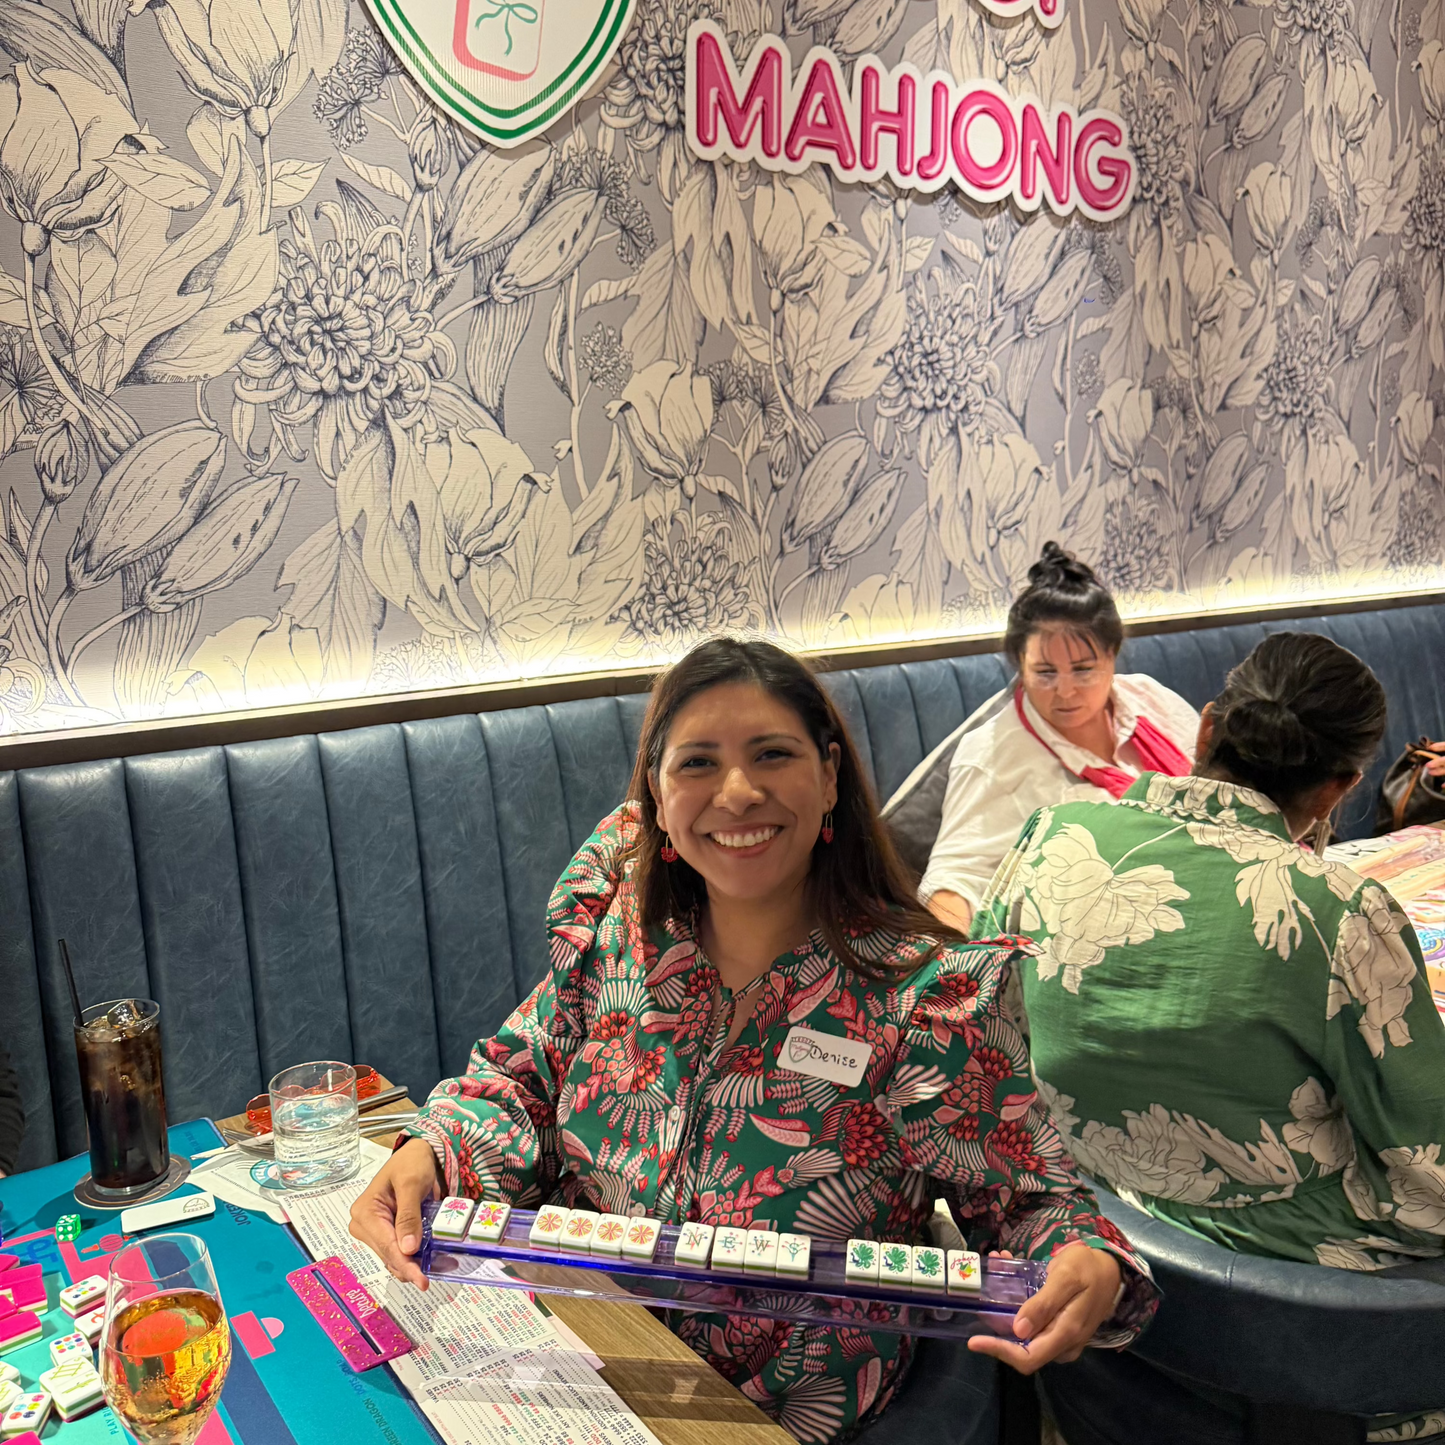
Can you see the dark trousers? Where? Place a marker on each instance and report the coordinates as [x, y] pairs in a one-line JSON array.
[[950, 1397]]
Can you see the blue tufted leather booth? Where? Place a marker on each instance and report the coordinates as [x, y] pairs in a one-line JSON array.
[[378, 894]]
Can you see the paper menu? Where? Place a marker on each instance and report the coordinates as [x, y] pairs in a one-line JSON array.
[[489, 1368], [457, 1327], [533, 1396]]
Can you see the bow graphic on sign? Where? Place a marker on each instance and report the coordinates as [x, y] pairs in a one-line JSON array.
[[527, 14]]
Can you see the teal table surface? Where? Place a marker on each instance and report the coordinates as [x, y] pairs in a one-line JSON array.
[[287, 1384]]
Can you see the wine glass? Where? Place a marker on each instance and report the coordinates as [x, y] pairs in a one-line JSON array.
[[166, 1342]]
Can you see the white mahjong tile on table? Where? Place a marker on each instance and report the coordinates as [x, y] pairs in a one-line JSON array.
[[71, 1346], [83, 1295], [75, 1387], [29, 1412], [90, 1325]]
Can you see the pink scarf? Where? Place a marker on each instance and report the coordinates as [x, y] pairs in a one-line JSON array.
[[1155, 751]]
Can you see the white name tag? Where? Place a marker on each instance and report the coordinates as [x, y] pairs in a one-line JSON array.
[[824, 1056]]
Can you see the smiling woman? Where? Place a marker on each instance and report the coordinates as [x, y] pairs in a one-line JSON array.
[[745, 897]]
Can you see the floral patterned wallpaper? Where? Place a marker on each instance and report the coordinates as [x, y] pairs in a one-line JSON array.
[[304, 393]]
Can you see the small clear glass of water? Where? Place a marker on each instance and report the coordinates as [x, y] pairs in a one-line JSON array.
[[315, 1132]]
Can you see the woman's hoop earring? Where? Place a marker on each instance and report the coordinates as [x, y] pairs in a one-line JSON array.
[[667, 852], [828, 826]]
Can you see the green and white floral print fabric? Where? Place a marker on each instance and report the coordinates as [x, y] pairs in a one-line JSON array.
[[1229, 1031]]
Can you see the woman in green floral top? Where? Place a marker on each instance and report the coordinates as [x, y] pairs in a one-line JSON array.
[[1229, 1031], [749, 891]]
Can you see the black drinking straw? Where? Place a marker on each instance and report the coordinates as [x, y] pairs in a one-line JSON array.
[[70, 979]]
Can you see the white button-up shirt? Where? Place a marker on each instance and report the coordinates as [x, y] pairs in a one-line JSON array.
[[1000, 776]]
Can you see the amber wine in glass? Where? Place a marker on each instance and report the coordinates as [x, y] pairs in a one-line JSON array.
[[166, 1344]]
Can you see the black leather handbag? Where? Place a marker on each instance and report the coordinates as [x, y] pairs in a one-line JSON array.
[[1409, 794]]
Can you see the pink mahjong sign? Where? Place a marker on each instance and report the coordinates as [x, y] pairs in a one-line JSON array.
[[866, 121]]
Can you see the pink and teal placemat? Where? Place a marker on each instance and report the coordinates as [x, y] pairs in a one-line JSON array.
[[287, 1384]]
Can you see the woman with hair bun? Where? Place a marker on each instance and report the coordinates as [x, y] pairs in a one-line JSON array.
[[1230, 1031], [1070, 729]]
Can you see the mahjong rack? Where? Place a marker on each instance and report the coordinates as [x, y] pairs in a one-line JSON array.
[[863, 1284]]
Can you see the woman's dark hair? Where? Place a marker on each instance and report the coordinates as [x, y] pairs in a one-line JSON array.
[[1297, 712], [1064, 593], [857, 882]]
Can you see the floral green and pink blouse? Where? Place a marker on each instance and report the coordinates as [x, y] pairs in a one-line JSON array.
[[1229, 1030], [613, 1085]]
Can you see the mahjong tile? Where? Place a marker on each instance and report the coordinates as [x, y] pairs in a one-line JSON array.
[[452, 1217], [795, 1253], [489, 1222], [8, 1375], [895, 1264], [862, 1259], [548, 1225], [965, 1271], [640, 1239], [8, 1261], [729, 1247], [29, 1412], [69, 1347], [761, 1250], [75, 1387], [18, 1327], [10, 1392], [694, 1241], [91, 1324], [928, 1266], [24, 1287], [580, 1227], [609, 1233], [83, 1295]]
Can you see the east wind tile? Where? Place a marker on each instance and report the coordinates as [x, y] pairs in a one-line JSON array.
[[729, 1247]]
